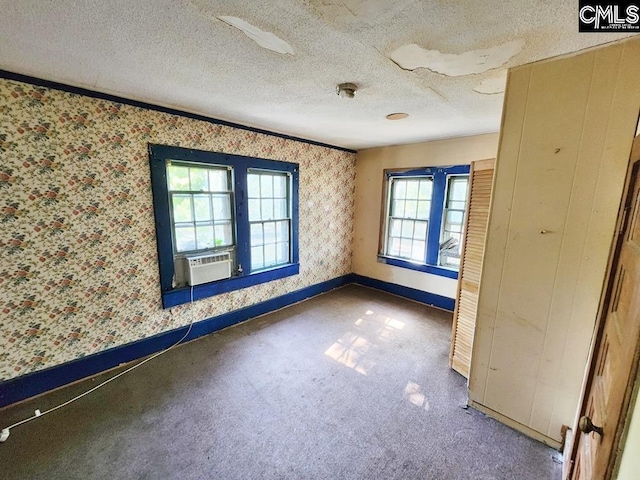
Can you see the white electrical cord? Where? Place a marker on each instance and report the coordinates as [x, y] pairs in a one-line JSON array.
[[6, 431]]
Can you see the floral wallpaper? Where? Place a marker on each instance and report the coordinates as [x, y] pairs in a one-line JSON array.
[[78, 260]]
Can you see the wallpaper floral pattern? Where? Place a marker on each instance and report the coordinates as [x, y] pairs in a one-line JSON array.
[[78, 260]]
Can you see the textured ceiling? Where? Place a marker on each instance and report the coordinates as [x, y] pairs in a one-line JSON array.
[[178, 53]]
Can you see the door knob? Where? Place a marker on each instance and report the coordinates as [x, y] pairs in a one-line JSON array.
[[586, 426]]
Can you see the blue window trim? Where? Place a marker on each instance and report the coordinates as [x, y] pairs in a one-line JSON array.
[[420, 267], [158, 156], [439, 175]]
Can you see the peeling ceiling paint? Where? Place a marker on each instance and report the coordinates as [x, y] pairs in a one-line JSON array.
[[266, 40], [412, 57], [493, 85], [178, 53]]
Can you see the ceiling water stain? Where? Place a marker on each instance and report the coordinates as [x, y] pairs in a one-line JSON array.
[[370, 12], [267, 40], [493, 85], [412, 57]]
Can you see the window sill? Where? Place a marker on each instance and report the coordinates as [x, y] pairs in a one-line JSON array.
[[420, 267], [179, 296]]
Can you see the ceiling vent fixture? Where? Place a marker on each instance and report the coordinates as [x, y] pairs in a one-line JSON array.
[[346, 90]]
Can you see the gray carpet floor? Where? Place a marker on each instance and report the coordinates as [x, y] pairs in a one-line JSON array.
[[353, 384]]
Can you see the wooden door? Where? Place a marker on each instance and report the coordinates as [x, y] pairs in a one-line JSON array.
[[609, 387], [464, 316]]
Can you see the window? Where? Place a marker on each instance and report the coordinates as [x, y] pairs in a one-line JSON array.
[[410, 209], [455, 209], [424, 219], [201, 216], [269, 217], [208, 203]]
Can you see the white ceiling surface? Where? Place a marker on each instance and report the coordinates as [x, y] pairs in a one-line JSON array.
[[177, 53]]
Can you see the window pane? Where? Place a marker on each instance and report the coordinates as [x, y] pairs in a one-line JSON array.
[[199, 179], [280, 186], [457, 205], [407, 229], [267, 209], [202, 208], [280, 208], [182, 208], [458, 186], [224, 234], [412, 189], [269, 234], [282, 231], [420, 231], [396, 225], [418, 250], [270, 255], [257, 259], [178, 177], [254, 210], [458, 238], [410, 209], [398, 208], [451, 261], [455, 217], [204, 237], [405, 247], [450, 248], [253, 185], [283, 252], [256, 234], [266, 187], [219, 180], [424, 210], [425, 189], [185, 239], [221, 207], [399, 189], [394, 246]]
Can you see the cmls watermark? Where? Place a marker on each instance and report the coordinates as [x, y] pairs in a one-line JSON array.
[[623, 16]]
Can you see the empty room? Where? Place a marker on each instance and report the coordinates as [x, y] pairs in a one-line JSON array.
[[319, 239]]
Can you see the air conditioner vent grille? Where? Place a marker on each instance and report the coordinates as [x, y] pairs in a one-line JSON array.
[[206, 259], [208, 268]]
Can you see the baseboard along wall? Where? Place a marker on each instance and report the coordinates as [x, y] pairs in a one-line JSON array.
[[42, 381]]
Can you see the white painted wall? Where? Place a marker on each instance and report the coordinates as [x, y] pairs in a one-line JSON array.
[[568, 125], [369, 202]]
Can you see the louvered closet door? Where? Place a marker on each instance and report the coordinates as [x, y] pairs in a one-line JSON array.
[[464, 317]]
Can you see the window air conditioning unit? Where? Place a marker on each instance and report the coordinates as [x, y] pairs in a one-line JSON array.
[[208, 268]]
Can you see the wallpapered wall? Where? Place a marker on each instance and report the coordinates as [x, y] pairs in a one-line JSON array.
[[78, 260]]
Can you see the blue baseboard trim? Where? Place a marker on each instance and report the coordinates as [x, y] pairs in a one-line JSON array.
[[427, 298], [35, 383]]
